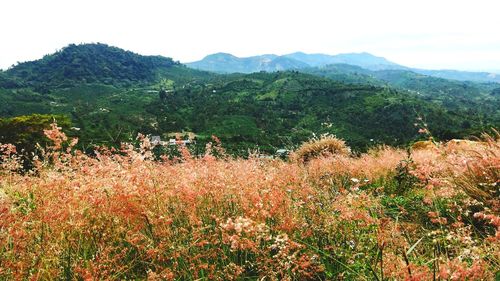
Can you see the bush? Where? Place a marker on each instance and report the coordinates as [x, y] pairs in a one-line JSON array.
[[326, 145]]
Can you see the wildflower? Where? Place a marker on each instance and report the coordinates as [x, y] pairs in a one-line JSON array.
[[423, 131]]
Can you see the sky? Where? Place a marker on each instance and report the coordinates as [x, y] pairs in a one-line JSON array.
[[433, 34]]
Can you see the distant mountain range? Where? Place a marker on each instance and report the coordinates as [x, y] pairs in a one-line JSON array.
[[227, 63]]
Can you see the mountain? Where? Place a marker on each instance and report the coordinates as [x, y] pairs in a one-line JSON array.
[[452, 94], [92, 63], [407, 79], [227, 63], [346, 73], [364, 60], [313, 60], [462, 75], [283, 63]]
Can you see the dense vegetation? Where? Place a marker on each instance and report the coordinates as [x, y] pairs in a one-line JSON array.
[[90, 63], [8, 82], [286, 108], [451, 94], [25, 131], [433, 214], [269, 110]]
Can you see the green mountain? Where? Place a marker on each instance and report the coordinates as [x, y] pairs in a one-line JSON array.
[[346, 73], [94, 63], [280, 109], [155, 95], [265, 109], [7, 81], [444, 91]]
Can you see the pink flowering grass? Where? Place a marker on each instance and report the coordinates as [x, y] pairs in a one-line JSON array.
[[383, 215]]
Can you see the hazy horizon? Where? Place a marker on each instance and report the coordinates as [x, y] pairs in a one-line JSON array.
[[447, 34]]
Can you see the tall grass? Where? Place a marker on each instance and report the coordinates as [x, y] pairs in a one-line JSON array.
[[121, 215]]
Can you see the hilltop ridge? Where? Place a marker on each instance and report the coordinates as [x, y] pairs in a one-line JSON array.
[[90, 63]]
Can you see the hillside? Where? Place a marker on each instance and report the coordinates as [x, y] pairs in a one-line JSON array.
[[94, 63], [7, 82], [269, 110], [286, 108], [452, 94]]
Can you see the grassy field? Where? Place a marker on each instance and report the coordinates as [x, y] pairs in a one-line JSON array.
[[388, 214]]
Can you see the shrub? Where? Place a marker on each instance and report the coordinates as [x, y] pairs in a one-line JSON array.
[[404, 179], [423, 145], [326, 145]]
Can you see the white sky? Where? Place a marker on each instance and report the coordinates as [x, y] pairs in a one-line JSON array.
[[420, 33]]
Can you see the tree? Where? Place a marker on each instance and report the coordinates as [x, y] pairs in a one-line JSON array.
[[25, 132]]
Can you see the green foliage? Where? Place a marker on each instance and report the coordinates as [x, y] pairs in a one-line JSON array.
[[289, 107], [27, 131], [451, 94], [90, 63], [8, 82], [404, 180], [268, 110]]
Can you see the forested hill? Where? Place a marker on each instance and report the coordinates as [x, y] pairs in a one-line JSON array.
[[449, 93], [286, 108], [265, 110], [7, 82], [91, 63]]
